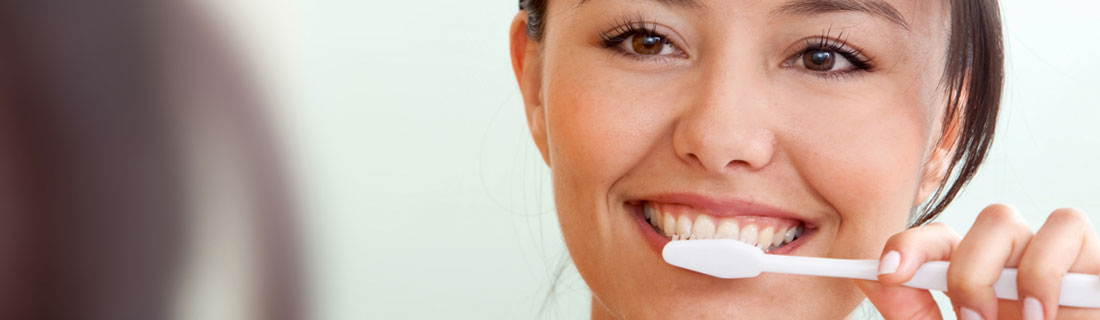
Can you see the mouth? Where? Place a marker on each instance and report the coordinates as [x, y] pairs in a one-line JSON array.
[[770, 230]]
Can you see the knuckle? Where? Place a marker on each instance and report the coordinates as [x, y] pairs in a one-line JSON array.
[[1004, 217], [960, 287], [903, 239], [1069, 216], [998, 214], [999, 207], [946, 231], [1034, 275], [942, 227], [921, 236]]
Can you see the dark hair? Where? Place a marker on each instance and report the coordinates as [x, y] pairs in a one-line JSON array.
[[536, 15], [94, 204], [973, 75]]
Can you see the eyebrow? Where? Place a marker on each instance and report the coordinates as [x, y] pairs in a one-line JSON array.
[[672, 3], [877, 8]]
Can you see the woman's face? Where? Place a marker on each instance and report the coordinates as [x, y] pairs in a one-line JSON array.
[[802, 126]]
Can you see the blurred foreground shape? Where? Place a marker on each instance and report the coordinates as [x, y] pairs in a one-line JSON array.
[[139, 178]]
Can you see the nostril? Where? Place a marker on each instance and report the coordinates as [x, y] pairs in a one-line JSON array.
[[691, 157], [707, 163], [716, 165], [738, 162]]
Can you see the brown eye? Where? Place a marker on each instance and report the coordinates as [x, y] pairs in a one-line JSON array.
[[648, 44], [819, 60], [643, 43]]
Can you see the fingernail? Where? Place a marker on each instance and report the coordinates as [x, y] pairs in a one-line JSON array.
[[1033, 310], [967, 314], [889, 263]]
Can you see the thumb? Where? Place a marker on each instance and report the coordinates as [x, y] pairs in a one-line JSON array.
[[898, 302]]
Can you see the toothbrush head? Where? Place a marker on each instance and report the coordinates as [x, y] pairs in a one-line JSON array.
[[722, 258]]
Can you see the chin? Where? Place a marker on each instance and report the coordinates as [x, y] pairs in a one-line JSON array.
[[764, 297]]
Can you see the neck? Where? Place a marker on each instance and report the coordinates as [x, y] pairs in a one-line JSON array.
[[600, 312]]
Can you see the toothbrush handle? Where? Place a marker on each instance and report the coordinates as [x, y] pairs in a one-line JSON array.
[[825, 267], [1078, 289]]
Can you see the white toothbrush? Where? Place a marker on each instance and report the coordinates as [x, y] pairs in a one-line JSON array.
[[732, 259]]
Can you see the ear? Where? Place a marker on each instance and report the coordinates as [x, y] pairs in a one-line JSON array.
[[527, 64], [935, 169]]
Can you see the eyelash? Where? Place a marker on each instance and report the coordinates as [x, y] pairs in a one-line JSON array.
[[636, 26], [860, 61]]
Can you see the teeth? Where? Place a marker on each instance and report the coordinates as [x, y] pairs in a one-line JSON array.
[[703, 228], [683, 226], [655, 220], [748, 235], [727, 229], [777, 240], [765, 238], [668, 224]]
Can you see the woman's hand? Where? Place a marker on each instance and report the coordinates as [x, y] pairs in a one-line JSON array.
[[999, 238]]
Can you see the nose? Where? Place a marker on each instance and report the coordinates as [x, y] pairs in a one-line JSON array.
[[727, 127]]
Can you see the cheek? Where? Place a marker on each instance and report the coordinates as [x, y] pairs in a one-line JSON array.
[[601, 125], [863, 155]]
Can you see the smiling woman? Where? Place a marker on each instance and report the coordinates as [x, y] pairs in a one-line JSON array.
[[827, 128]]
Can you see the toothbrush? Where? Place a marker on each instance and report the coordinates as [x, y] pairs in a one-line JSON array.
[[732, 259]]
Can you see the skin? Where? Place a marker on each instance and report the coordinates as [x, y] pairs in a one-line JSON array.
[[729, 117]]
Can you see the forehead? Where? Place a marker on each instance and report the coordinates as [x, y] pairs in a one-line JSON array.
[[925, 14]]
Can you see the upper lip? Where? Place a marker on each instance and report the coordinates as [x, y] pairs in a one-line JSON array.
[[725, 207]]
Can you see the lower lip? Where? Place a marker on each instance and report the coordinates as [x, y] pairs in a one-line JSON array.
[[657, 241]]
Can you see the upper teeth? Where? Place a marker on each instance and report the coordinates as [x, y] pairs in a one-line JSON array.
[[704, 227]]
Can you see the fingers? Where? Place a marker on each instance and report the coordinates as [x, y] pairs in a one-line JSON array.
[[907, 251], [1065, 243], [898, 302], [903, 255], [996, 240]]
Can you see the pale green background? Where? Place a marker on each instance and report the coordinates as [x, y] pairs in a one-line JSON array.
[[425, 199]]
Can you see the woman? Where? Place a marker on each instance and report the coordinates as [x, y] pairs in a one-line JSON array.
[[829, 128]]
